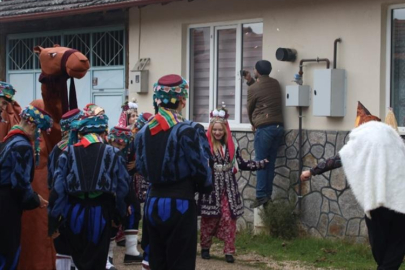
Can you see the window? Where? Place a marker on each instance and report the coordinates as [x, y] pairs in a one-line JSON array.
[[396, 64], [217, 55]]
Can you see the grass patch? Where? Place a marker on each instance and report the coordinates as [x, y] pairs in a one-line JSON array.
[[337, 254]]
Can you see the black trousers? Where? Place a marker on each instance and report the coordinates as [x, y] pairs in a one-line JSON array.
[[172, 230], [61, 243], [386, 231], [10, 228], [88, 231]]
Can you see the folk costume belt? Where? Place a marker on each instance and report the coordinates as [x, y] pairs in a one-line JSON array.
[[222, 167]]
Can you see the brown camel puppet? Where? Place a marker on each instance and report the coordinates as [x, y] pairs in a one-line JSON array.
[[57, 64]]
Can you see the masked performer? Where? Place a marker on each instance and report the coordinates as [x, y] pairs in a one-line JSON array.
[[17, 172], [171, 156], [121, 138], [63, 255], [373, 162], [91, 183]]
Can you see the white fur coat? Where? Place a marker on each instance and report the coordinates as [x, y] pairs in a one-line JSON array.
[[374, 163]]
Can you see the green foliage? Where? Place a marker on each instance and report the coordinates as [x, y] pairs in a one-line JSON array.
[[311, 252], [279, 219]]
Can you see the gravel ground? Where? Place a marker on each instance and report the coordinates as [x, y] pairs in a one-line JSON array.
[[243, 262]]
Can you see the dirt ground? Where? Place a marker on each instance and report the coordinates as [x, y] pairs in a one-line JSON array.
[[243, 262]]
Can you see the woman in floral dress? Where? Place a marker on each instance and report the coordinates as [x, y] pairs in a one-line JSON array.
[[221, 208]]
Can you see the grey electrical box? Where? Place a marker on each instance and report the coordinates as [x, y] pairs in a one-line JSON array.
[[139, 77], [329, 94], [139, 81], [297, 96]]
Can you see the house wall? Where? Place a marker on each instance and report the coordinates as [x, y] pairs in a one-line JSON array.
[[310, 27], [328, 207]]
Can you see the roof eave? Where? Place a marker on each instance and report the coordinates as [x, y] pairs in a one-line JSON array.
[[90, 9]]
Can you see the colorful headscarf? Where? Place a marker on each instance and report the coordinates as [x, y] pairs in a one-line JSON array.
[[42, 120], [220, 115], [88, 124], [143, 118], [364, 116], [7, 91], [68, 118], [122, 136], [169, 89], [93, 109]]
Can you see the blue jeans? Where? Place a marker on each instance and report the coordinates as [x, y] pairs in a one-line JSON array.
[[267, 141]]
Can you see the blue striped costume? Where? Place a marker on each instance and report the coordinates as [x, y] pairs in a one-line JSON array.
[[176, 163], [90, 186]]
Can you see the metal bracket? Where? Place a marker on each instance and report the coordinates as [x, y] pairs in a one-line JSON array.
[[140, 65]]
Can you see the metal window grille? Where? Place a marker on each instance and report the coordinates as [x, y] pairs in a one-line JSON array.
[[20, 55], [108, 48], [102, 48]]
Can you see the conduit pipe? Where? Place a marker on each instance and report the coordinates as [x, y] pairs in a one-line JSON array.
[[300, 165]]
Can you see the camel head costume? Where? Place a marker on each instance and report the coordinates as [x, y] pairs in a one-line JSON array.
[[58, 64]]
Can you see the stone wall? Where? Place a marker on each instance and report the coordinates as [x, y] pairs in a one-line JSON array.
[[328, 207]]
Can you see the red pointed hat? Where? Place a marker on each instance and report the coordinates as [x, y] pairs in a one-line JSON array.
[[364, 115]]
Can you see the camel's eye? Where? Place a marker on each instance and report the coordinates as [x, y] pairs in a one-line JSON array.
[[53, 54]]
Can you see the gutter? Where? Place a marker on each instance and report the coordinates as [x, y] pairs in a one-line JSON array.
[[90, 9]]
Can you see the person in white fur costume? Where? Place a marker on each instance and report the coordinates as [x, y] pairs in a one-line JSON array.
[[374, 164]]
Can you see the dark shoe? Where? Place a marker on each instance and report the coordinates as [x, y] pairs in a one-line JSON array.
[[259, 201], [267, 203], [205, 254], [121, 243], [229, 258], [130, 259]]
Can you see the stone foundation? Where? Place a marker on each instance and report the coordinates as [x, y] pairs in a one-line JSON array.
[[328, 207]]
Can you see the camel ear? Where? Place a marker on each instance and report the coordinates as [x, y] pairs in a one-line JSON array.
[[38, 49], [56, 45]]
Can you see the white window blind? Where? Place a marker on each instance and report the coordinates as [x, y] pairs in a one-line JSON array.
[[217, 54], [200, 73]]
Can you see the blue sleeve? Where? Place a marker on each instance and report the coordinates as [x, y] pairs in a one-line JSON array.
[[194, 147], [22, 162], [139, 159], [58, 197], [123, 182]]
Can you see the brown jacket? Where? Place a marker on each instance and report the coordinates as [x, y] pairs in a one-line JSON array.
[[264, 102]]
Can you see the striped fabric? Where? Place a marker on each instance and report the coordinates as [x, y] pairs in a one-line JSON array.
[[164, 120], [89, 139]]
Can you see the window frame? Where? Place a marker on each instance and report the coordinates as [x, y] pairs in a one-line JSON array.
[[235, 125], [388, 75]]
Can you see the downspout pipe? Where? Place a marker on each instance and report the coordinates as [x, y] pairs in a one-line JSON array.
[[335, 52]]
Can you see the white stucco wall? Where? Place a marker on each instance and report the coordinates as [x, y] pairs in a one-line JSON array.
[[309, 26]]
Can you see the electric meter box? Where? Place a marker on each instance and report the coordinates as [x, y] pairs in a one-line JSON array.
[[297, 96], [329, 94], [138, 81]]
